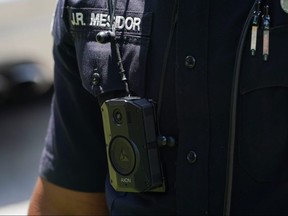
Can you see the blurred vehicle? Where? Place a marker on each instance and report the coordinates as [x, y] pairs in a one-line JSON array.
[[25, 48]]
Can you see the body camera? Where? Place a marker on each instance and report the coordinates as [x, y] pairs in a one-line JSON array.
[[131, 145]]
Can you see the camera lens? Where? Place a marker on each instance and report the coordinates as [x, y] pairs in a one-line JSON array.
[[117, 116]]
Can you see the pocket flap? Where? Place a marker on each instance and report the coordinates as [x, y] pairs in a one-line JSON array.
[[98, 63], [257, 73]]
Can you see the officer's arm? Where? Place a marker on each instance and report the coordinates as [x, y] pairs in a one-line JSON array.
[[49, 199]]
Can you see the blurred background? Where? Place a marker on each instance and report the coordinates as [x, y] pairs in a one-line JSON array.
[[26, 86]]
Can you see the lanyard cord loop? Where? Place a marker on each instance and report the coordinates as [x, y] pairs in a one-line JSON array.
[[233, 115]]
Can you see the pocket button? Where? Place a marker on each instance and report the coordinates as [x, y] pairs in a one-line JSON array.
[[190, 62], [191, 157]]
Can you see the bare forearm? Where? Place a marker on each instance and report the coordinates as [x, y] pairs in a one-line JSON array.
[[49, 199]]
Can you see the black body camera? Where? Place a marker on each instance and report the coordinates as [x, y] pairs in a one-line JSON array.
[[131, 144]]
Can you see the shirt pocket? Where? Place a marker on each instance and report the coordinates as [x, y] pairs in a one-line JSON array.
[[98, 65], [263, 110]]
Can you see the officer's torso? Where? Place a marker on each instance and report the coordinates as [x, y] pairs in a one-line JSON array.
[[196, 99]]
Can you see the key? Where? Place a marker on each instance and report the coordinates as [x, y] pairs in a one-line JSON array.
[[266, 32], [255, 26]]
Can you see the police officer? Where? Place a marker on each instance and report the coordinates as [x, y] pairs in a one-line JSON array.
[[218, 72]]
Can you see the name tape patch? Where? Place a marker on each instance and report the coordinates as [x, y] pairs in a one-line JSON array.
[[86, 18]]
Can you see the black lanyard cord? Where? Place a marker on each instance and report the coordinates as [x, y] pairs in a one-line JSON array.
[[112, 8], [233, 115]]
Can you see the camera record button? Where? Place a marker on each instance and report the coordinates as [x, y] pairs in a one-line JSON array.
[[122, 155], [191, 157]]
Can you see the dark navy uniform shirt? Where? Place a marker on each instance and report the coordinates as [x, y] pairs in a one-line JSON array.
[[195, 109]]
